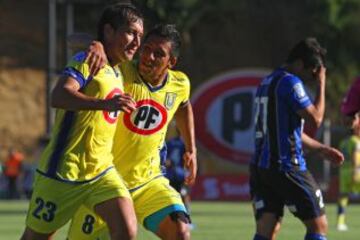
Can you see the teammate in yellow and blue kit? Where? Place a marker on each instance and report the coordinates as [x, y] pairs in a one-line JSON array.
[[77, 165], [349, 173], [160, 95]]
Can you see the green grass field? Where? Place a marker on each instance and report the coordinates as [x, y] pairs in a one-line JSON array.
[[213, 221]]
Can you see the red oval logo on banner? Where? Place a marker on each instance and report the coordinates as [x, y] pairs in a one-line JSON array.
[[111, 117], [148, 117], [224, 113]]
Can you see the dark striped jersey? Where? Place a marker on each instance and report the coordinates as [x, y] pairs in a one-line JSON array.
[[278, 127]]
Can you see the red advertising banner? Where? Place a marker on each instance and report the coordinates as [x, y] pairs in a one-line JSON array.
[[221, 187], [236, 188]]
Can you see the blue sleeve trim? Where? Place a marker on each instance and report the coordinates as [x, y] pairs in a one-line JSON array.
[[61, 142], [78, 76]]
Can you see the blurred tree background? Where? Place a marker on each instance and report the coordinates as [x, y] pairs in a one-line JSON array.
[[221, 35], [218, 35], [259, 33]]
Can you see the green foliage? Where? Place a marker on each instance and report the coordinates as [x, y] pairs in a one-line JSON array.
[[335, 23], [183, 13]]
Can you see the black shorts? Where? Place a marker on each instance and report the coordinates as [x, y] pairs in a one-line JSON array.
[[272, 190], [177, 185]]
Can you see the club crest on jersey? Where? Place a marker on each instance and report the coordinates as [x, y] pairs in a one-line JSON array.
[[299, 91], [148, 117], [111, 117], [169, 100]]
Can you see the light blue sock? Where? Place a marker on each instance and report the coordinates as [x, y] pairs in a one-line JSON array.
[[315, 236], [258, 237]]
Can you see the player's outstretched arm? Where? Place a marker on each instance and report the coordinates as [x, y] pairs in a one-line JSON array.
[[66, 95], [96, 57], [185, 123], [329, 153]]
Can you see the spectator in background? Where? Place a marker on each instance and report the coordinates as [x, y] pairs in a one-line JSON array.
[[350, 171], [175, 171], [28, 172], [12, 171], [29, 169]]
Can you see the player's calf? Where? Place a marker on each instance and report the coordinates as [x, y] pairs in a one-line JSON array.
[[175, 227], [32, 235], [317, 225]]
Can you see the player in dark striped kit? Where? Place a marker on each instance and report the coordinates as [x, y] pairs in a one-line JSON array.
[[279, 176]]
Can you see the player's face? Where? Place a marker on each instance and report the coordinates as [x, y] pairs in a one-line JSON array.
[[308, 75], [124, 42], [155, 58]]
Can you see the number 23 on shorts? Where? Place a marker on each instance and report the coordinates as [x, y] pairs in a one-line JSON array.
[[45, 210]]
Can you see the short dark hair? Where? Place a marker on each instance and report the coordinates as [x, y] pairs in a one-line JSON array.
[[118, 15], [170, 33], [309, 51]]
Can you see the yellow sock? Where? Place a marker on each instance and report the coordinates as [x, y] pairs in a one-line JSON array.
[[342, 204]]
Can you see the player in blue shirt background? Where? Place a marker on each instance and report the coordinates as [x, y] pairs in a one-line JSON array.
[[175, 171], [278, 173]]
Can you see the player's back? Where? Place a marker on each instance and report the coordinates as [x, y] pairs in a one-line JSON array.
[[81, 142], [141, 134], [278, 127]]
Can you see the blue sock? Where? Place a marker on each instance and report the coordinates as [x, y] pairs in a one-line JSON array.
[[258, 237], [315, 236]]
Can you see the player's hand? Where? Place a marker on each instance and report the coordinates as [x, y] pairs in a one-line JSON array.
[[333, 155], [320, 75], [96, 57], [123, 102], [190, 162]]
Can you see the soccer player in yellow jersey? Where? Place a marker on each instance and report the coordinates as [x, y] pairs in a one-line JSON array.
[[160, 94], [350, 171], [77, 165]]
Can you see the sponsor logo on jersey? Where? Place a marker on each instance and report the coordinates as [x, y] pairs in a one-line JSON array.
[[169, 100], [111, 117], [149, 117]]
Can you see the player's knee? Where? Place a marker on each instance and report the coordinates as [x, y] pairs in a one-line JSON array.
[[132, 231], [182, 231], [318, 225], [31, 235], [322, 225], [128, 233], [182, 221], [180, 216], [276, 230]]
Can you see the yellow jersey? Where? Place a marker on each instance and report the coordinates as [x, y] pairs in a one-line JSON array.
[[80, 146], [350, 146], [140, 135]]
